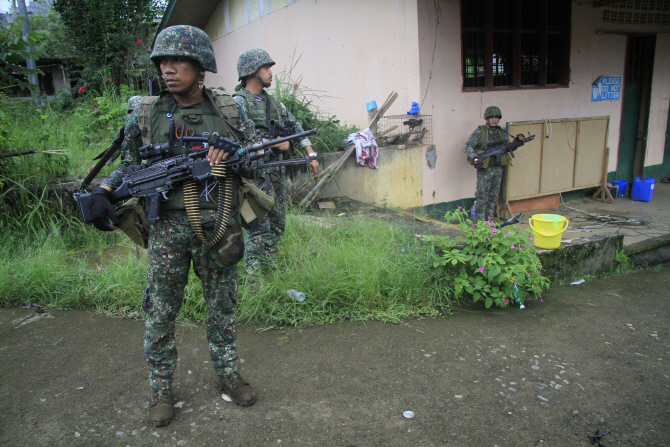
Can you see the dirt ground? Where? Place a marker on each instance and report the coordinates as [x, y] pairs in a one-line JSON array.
[[589, 357]]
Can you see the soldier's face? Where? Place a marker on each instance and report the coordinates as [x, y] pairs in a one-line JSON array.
[[265, 72], [492, 121], [181, 74]]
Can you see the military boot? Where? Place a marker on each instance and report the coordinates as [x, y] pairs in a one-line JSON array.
[[236, 388], [160, 410]]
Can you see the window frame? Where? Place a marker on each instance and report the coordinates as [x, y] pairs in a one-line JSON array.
[[563, 53]]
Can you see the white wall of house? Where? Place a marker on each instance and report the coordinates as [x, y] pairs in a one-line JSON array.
[[353, 51]]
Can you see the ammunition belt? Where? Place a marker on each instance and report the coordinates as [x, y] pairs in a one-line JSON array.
[[192, 202]]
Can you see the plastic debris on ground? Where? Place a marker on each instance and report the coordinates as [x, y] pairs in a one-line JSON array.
[[408, 414]]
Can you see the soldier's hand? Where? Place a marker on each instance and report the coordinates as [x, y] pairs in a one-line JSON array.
[[219, 150], [314, 166], [102, 211], [477, 162], [285, 146]]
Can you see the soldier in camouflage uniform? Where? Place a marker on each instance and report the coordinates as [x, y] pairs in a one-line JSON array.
[[182, 54], [489, 172], [257, 106]]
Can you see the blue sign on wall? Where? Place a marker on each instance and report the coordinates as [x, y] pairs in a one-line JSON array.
[[606, 88]]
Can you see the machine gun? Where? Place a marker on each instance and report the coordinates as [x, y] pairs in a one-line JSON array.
[[158, 175], [497, 149]]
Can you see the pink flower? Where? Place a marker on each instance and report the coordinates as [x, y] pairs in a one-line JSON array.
[[520, 247], [494, 230], [530, 238], [512, 246], [481, 269], [460, 208], [506, 302]]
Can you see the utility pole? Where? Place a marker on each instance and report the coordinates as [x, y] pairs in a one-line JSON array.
[[31, 61]]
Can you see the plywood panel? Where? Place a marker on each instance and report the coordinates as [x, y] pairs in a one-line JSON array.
[[558, 157], [523, 177], [570, 158], [590, 153]]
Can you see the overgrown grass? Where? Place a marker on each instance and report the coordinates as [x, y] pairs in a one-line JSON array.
[[354, 268]]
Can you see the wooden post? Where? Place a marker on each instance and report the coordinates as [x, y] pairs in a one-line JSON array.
[[603, 193]]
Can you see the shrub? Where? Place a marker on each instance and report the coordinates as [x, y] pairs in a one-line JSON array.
[[498, 265]]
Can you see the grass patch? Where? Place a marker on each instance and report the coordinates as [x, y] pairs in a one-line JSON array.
[[356, 268]]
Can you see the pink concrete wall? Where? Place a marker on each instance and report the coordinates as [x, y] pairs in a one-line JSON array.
[[351, 52]]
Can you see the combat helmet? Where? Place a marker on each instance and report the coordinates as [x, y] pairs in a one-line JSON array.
[[185, 41], [133, 102], [492, 111], [250, 61]]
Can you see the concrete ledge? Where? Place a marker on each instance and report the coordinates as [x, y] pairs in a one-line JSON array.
[[650, 251], [581, 256]]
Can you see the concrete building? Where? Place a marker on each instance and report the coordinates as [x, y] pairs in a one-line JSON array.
[[590, 78]]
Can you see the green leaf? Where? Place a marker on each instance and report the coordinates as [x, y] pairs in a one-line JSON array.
[[488, 302]]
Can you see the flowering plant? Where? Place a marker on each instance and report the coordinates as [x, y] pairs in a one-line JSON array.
[[498, 265]]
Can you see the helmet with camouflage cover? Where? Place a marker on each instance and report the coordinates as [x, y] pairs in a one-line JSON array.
[[492, 111], [185, 41], [133, 102], [250, 61]]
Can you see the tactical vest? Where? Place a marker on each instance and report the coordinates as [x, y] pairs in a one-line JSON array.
[[258, 110], [499, 135], [203, 118]]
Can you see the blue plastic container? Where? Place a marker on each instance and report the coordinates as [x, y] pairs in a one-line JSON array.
[[371, 105], [415, 109], [623, 187], [643, 188]]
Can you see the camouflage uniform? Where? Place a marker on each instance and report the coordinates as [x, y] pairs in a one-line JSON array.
[[262, 239], [489, 176], [173, 245]]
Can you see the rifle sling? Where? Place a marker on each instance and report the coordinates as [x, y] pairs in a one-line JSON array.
[[103, 158], [236, 134]]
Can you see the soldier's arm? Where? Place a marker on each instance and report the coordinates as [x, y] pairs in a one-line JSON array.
[[130, 154], [305, 143], [472, 143], [244, 123]]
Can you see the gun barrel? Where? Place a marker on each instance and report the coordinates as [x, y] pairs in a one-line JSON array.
[[259, 146]]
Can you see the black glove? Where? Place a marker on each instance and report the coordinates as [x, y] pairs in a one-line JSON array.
[[477, 162], [102, 210], [225, 144]]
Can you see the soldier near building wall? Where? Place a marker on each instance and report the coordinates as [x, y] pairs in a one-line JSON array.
[[182, 54], [260, 108], [489, 172]]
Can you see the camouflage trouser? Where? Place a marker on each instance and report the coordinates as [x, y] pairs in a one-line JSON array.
[[261, 240], [172, 247], [488, 188]]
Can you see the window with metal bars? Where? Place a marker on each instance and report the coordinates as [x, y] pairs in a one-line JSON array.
[[515, 43]]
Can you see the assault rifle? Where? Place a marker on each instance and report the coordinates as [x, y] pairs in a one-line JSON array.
[[498, 148], [282, 130], [158, 175]]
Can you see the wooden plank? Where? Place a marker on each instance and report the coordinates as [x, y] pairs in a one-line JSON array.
[[315, 192]]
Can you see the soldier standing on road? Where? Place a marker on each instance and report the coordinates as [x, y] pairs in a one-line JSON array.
[[489, 172], [258, 106], [182, 54]]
